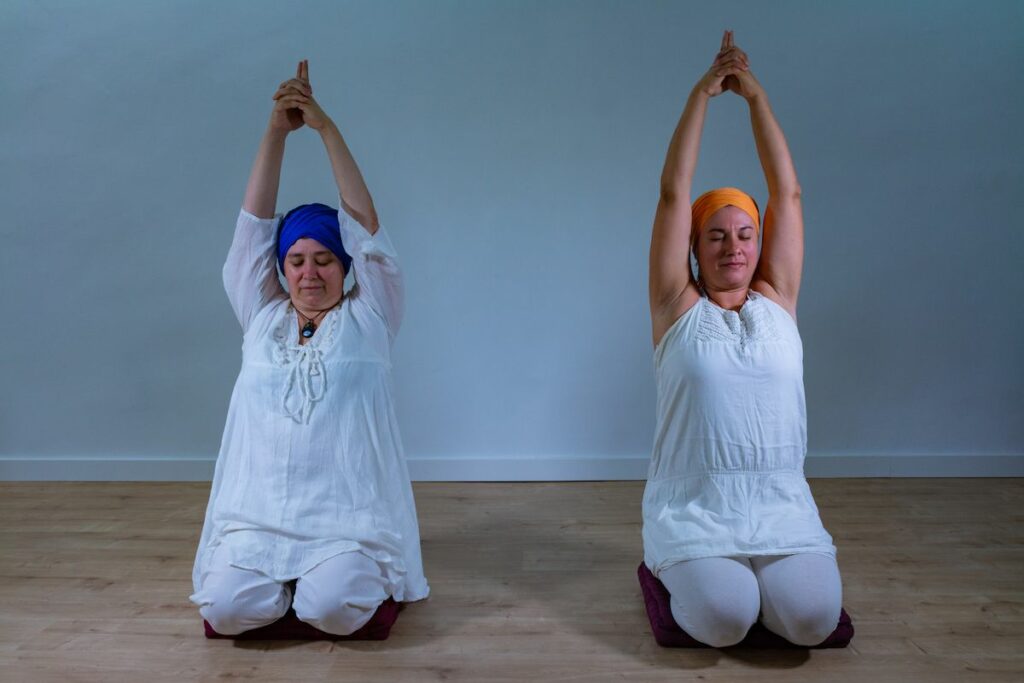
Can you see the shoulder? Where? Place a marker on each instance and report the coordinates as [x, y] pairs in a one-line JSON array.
[[664, 317]]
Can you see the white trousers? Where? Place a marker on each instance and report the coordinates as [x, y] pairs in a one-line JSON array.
[[337, 596], [717, 599]]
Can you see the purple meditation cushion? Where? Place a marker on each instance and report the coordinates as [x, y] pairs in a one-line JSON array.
[[289, 627], [668, 633]]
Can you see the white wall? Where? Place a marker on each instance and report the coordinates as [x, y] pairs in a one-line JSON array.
[[513, 150]]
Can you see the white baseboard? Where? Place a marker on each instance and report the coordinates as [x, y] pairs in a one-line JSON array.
[[197, 468]]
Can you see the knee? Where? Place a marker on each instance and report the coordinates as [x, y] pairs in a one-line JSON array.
[[341, 594], [226, 618], [810, 624], [340, 617], [718, 625], [231, 618], [230, 612]]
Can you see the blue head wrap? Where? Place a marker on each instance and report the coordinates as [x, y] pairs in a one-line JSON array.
[[315, 221]]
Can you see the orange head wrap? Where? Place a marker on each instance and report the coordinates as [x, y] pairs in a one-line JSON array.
[[713, 200]]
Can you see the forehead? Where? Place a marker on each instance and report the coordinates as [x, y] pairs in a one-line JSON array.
[[729, 217], [306, 246]]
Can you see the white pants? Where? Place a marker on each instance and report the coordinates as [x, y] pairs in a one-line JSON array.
[[717, 599], [337, 596]]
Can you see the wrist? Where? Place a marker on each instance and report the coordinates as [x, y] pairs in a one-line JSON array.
[[328, 127], [757, 98], [273, 134]]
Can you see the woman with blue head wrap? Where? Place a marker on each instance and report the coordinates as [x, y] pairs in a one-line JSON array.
[[311, 505]]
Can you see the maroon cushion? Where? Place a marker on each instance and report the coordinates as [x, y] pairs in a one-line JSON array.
[[289, 627], [668, 633]]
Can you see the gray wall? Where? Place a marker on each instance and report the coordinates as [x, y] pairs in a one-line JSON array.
[[513, 150]]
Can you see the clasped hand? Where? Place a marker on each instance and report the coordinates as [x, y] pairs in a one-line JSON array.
[[730, 71], [294, 105]]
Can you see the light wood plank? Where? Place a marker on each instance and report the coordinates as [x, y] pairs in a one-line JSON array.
[[531, 582]]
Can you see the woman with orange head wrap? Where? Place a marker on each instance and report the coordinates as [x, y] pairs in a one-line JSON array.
[[730, 526]]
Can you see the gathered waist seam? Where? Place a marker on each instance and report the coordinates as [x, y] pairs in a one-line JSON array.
[[717, 473]]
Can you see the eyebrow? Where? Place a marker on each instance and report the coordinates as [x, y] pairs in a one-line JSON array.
[[742, 227], [315, 253]]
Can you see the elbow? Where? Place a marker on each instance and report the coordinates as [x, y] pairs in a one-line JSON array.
[[227, 275], [785, 194], [675, 188], [670, 195], [369, 222]]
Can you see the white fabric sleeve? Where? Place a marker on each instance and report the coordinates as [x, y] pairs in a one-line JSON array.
[[250, 272], [379, 282]]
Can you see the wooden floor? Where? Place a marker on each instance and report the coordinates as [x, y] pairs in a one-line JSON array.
[[530, 582]]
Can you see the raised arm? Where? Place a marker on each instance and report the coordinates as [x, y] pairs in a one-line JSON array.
[[672, 290], [261, 192], [355, 196], [250, 270], [379, 283], [782, 249]]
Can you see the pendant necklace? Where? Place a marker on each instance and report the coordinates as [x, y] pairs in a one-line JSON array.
[[310, 327]]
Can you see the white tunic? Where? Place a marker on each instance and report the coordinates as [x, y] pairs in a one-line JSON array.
[[311, 461], [726, 475]]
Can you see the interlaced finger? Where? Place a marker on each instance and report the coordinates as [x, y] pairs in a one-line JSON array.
[[731, 52], [288, 91], [731, 65], [292, 101], [298, 83]]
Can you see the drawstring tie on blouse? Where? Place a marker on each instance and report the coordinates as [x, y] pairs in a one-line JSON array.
[[307, 373]]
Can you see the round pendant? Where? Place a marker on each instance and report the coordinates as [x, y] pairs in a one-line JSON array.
[[308, 329]]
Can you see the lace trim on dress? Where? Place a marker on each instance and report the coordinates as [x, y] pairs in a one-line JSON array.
[[307, 378], [753, 323]]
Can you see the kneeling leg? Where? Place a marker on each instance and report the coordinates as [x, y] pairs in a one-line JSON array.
[[234, 600], [801, 595], [714, 599], [340, 594]]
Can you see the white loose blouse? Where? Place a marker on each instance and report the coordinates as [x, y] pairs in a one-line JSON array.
[[726, 476], [311, 462]]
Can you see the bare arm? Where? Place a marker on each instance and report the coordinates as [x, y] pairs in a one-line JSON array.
[[671, 288], [351, 187], [261, 192], [670, 237], [782, 249], [250, 271]]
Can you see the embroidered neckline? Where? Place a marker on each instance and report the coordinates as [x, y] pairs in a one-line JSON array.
[[752, 323], [306, 372]]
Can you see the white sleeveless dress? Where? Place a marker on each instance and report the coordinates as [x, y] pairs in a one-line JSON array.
[[726, 475]]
